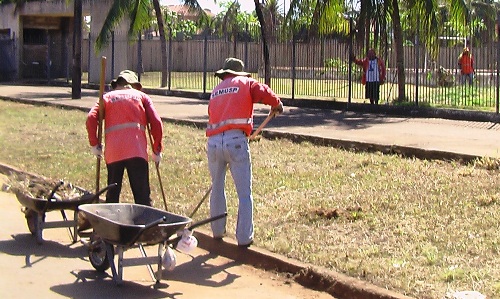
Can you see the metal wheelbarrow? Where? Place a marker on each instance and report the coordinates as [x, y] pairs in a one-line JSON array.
[[121, 226], [35, 209]]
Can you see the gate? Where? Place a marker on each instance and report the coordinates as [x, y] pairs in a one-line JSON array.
[[8, 69]]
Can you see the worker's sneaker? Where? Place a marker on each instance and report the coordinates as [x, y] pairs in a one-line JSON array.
[[219, 238], [245, 245]]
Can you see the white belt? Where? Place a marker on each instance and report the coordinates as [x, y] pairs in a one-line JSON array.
[[233, 121], [126, 126]]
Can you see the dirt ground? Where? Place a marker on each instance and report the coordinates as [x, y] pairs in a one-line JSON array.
[[59, 269]]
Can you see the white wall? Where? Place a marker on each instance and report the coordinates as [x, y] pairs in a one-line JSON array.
[[97, 9]]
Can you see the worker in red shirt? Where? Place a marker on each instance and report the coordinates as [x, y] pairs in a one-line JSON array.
[[466, 63], [373, 74], [128, 113], [230, 113]]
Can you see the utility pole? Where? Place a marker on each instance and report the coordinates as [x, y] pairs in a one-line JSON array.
[[76, 78]]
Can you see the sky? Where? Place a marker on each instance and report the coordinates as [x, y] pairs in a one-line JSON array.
[[246, 5]]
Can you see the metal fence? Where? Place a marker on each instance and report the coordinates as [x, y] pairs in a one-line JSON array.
[[319, 69]]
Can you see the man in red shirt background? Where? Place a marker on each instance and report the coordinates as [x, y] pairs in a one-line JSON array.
[[466, 63]]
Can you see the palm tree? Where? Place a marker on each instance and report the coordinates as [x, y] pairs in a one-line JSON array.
[[264, 31], [265, 46], [138, 12], [423, 12]]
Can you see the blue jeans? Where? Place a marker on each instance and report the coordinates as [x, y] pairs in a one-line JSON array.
[[468, 78], [230, 148]]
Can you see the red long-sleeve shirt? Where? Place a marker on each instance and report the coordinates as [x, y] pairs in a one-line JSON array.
[[231, 104], [127, 115]]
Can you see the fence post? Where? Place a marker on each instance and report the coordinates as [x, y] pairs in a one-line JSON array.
[[293, 64], [88, 58], [498, 66], [76, 78], [205, 61], [417, 54], [349, 91], [246, 45], [139, 56], [112, 54], [170, 46]]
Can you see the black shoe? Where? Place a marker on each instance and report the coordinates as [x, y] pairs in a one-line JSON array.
[[245, 245]]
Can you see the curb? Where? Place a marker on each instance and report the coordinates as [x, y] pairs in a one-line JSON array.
[[310, 276]]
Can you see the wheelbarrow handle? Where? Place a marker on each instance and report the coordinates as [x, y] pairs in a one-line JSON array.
[[95, 197], [156, 222], [176, 240], [205, 221], [110, 186], [51, 194], [54, 190]]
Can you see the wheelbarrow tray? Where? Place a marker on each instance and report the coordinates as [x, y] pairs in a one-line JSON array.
[[41, 205], [124, 224]]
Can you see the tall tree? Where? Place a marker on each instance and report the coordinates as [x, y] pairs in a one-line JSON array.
[[260, 15], [138, 12], [374, 14], [265, 39], [398, 41]]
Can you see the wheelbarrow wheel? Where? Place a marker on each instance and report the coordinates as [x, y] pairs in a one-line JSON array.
[[97, 253]]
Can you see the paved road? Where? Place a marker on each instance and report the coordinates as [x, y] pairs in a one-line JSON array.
[[422, 137]]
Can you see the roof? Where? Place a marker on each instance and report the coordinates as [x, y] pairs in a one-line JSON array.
[[184, 11]]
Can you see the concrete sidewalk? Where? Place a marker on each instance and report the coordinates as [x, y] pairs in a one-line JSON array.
[[432, 138]]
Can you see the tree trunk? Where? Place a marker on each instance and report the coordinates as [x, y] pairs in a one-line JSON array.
[[267, 64], [163, 43], [398, 40]]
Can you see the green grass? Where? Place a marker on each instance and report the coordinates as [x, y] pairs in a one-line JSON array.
[[417, 227]]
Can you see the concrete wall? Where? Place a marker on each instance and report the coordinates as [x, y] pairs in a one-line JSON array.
[[97, 9]]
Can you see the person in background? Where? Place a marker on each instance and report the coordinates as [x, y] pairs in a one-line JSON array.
[[128, 113], [230, 113], [374, 73], [466, 64]]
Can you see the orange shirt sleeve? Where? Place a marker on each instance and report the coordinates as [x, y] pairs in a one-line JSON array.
[[261, 93]]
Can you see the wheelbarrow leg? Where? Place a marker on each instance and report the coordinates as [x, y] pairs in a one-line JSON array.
[[160, 265], [119, 279], [39, 228], [111, 259], [150, 268], [74, 233]]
